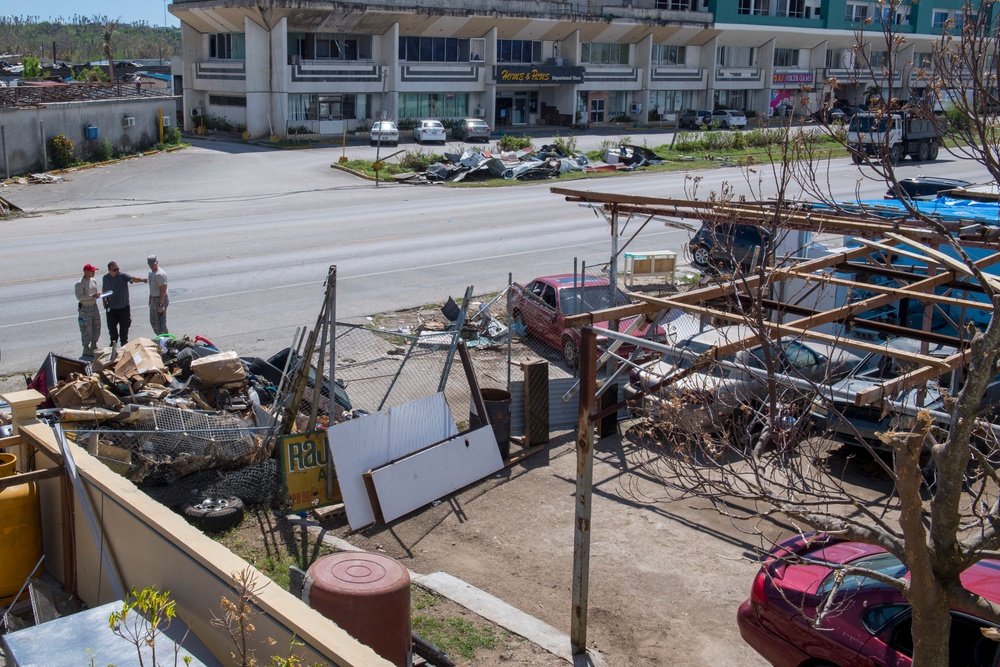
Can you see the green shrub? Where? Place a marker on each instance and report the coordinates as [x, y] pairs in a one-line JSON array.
[[621, 118], [218, 123], [299, 129], [509, 142], [61, 151], [958, 120], [105, 151], [417, 160], [364, 125], [567, 145], [739, 141], [171, 135], [406, 124]]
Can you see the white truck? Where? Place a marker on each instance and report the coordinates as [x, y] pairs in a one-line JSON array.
[[897, 133]]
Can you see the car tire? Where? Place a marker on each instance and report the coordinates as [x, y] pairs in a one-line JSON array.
[[895, 154], [701, 256], [857, 158], [933, 153], [724, 125], [570, 353], [924, 152], [215, 515]]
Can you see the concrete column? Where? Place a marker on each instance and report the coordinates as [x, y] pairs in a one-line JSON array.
[[707, 62], [644, 61]]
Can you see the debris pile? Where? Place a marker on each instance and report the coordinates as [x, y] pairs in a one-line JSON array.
[[181, 418], [529, 165]]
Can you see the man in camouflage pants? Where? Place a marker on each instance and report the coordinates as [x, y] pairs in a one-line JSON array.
[[88, 314]]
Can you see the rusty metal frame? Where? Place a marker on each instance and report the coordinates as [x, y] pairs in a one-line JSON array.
[[891, 234]]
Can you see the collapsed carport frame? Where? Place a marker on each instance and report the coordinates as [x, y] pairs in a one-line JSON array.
[[898, 236]]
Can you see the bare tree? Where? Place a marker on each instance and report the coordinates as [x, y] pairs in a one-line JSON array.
[[108, 47], [942, 513]]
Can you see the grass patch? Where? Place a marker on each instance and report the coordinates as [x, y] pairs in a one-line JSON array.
[[453, 635]]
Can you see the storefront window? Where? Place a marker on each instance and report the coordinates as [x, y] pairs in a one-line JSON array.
[[433, 105], [324, 106]]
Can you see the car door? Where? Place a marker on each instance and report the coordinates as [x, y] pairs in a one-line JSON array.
[[550, 323], [537, 314]]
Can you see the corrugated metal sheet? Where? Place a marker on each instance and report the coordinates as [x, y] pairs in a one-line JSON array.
[[561, 415]]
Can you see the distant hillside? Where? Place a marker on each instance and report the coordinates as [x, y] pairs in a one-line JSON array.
[[81, 39]]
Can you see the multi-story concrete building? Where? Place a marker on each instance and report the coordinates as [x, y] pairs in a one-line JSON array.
[[324, 66]]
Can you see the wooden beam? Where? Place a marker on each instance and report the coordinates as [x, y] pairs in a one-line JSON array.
[[902, 292], [914, 378], [28, 477]]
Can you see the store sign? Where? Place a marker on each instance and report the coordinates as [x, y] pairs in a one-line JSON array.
[[792, 79], [537, 74], [305, 467]]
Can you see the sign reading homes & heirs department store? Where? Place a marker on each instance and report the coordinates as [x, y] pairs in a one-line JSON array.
[[536, 74]]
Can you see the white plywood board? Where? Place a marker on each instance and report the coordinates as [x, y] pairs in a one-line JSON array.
[[404, 485], [358, 445]]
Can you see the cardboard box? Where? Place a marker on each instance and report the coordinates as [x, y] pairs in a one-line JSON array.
[[138, 357], [219, 369], [83, 392]]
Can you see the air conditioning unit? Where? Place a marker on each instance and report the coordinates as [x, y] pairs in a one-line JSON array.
[[128, 121], [480, 112], [167, 122], [195, 113]]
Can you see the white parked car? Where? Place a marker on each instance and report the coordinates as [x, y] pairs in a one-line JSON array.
[[429, 130], [729, 119], [384, 132]]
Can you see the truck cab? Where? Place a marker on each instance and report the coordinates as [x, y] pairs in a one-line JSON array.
[[895, 134]]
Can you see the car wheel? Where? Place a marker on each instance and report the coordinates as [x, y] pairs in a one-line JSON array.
[[214, 515], [725, 126], [924, 152], [701, 256], [933, 154], [858, 158], [895, 154], [569, 352]]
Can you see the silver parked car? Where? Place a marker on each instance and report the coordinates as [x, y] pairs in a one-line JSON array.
[[731, 392], [429, 130], [472, 128], [836, 416]]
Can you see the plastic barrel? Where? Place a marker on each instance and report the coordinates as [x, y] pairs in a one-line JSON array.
[[368, 595], [498, 410], [20, 532]]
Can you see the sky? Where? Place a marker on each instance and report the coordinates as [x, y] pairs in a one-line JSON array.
[[125, 11]]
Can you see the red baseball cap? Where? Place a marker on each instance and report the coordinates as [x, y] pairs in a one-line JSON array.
[[90, 267]]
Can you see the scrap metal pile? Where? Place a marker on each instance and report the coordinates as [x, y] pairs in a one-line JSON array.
[[530, 165]]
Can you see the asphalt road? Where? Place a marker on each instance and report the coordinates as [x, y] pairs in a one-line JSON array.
[[246, 235]]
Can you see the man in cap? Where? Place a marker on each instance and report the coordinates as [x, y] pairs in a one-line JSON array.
[[116, 305], [88, 314], [158, 301]]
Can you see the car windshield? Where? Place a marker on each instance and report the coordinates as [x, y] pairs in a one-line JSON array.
[[477, 123], [884, 563], [573, 301]]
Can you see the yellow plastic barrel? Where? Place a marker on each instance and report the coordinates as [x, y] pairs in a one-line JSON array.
[[20, 531]]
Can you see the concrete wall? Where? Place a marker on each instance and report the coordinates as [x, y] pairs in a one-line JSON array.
[[151, 546], [26, 132]]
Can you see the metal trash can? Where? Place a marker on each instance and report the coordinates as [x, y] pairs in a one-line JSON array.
[[498, 410]]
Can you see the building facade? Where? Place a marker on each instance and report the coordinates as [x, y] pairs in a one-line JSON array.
[[329, 66]]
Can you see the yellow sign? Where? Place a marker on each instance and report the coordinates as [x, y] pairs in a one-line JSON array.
[[308, 471]]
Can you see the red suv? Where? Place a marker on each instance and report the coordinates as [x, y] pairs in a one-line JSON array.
[[872, 621], [540, 310]]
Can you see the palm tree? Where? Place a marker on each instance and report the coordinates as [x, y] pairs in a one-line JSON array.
[[109, 31]]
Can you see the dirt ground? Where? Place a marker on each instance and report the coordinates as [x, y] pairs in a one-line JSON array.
[[665, 577]]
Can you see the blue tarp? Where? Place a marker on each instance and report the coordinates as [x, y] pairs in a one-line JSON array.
[[944, 208]]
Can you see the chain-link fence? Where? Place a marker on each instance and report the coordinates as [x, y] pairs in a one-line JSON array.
[[520, 349]]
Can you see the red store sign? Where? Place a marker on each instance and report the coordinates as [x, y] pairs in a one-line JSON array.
[[792, 79]]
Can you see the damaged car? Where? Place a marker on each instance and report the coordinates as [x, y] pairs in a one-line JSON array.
[[732, 390], [540, 309]]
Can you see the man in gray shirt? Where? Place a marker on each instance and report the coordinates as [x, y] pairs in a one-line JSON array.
[[158, 301], [117, 307]]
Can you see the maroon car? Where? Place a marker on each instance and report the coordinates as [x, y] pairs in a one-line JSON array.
[[868, 624], [540, 309]]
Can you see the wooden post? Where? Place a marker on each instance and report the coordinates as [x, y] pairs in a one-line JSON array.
[[536, 401], [584, 484]]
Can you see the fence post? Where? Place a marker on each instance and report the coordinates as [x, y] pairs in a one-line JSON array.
[[584, 488]]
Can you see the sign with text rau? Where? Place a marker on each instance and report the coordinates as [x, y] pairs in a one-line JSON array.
[[307, 470]]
